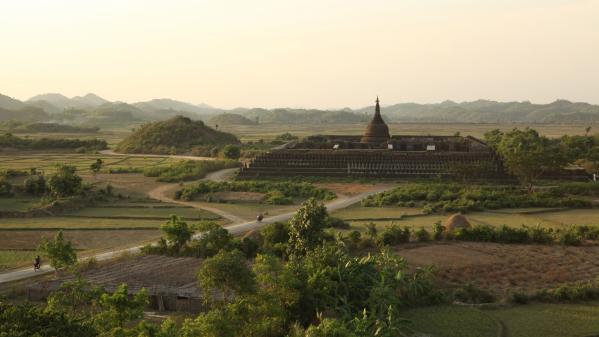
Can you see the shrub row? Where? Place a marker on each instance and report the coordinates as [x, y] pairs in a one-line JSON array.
[[579, 291], [277, 192], [452, 197], [395, 234]]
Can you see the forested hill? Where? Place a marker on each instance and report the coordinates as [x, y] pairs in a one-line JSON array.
[[177, 135], [93, 110]]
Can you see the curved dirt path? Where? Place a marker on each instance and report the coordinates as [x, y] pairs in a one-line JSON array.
[[163, 193]]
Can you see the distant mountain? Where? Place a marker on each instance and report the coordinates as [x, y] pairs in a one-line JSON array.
[[170, 104], [10, 103], [91, 100], [60, 101], [485, 111], [91, 109], [57, 100], [230, 119], [46, 106]]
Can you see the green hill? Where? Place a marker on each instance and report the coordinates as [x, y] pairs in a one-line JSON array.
[[230, 119], [175, 135]]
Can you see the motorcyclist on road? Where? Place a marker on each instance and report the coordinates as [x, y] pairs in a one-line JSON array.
[[37, 263]]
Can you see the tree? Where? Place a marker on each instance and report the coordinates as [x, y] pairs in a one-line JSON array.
[[493, 138], [96, 166], [214, 238], [60, 252], [77, 298], [306, 228], [27, 320], [528, 155], [231, 151], [5, 187], [119, 308], [65, 182], [227, 272], [177, 233], [35, 184]]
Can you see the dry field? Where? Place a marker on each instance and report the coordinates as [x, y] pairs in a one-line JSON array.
[[503, 269]]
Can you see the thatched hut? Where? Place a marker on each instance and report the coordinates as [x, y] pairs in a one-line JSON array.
[[457, 221]]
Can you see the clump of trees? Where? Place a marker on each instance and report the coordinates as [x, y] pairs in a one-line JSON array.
[[65, 182], [529, 156]]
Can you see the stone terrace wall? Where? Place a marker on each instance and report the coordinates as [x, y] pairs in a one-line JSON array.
[[372, 163]]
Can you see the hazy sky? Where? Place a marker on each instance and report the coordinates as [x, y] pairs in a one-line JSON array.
[[305, 53]]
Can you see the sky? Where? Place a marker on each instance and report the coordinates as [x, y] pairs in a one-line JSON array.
[[304, 53]]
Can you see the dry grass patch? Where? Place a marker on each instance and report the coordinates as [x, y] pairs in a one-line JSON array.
[[504, 268]]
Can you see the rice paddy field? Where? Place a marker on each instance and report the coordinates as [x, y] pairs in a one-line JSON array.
[[48, 161], [534, 320]]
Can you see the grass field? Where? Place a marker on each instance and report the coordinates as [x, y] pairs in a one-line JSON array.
[[535, 320]]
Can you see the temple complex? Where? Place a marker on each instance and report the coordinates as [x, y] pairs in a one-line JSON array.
[[378, 154]]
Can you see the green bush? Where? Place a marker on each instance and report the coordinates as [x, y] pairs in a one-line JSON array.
[[334, 222], [569, 237], [276, 197], [422, 235], [394, 234]]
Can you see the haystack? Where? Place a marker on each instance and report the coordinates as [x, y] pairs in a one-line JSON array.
[[457, 221]]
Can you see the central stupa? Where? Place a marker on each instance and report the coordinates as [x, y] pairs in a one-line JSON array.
[[377, 131]]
